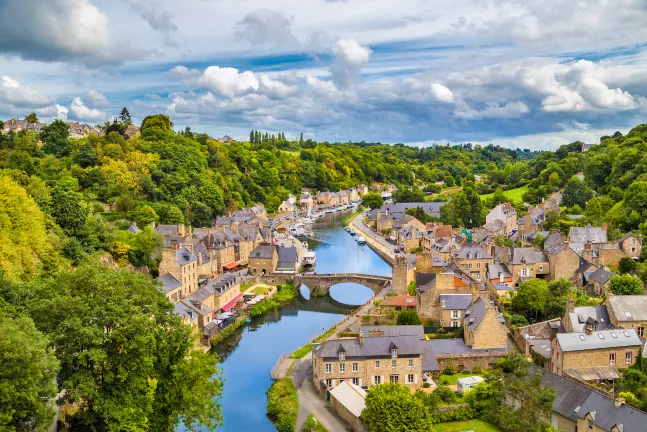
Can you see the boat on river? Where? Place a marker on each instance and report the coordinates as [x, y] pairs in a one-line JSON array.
[[360, 240], [309, 259], [352, 232]]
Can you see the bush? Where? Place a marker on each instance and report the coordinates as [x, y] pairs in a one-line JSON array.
[[458, 414], [445, 394], [477, 371], [312, 425], [284, 294], [408, 317], [283, 404], [450, 370], [426, 385]]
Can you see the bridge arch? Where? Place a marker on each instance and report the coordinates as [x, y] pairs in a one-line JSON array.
[[320, 284]]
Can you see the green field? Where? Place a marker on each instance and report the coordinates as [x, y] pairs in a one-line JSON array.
[[515, 195], [453, 379], [467, 425]]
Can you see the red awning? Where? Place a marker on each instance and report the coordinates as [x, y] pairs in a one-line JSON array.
[[232, 302], [231, 265]]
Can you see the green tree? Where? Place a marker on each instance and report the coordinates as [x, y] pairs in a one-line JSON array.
[[144, 215], [576, 192], [626, 285], [420, 214], [503, 241], [201, 215], [627, 265], [27, 373], [56, 138], [449, 181], [392, 408], [169, 214], [554, 181], [558, 292], [593, 210], [125, 118], [68, 209], [530, 297], [124, 353], [412, 288], [408, 317], [31, 118], [372, 200]]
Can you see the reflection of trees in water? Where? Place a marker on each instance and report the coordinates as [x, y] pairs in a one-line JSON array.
[[228, 345]]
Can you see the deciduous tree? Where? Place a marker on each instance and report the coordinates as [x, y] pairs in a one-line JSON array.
[[392, 408]]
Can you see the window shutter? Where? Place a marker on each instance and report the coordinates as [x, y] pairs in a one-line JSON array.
[[372, 379], [415, 379]]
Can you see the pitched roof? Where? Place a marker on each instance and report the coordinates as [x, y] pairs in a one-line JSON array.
[[394, 330], [399, 301], [531, 256], [588, 234], [455, 301], [431, 208], [472, 252], [598, 340], [185, 256], [352, 397], [629, 307], [372, 347], [601, 276], [475, 314], [581, 314], [265, 251], [287, 257], [169, 282], [498, 269]]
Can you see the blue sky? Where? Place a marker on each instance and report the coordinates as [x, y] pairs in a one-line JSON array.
[[519, 74]]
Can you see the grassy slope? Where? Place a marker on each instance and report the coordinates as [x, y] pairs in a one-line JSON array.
[[475, 425], [515, 195]]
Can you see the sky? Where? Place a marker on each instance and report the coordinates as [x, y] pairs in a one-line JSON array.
[[515, 73]]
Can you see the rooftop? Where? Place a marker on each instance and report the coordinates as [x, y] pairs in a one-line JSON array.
[[598, 340], [629, 307], [352, 397]]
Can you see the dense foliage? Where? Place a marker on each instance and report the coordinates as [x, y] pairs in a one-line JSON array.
[[392, 408], [283, 404]]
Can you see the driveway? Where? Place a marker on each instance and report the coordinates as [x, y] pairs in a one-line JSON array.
[[310, 402]]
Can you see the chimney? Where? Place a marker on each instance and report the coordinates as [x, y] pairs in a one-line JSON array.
[[570, 305], [619, 401], [589, 329], [361, 337], [501, 278], [180, 230], [605, 226]]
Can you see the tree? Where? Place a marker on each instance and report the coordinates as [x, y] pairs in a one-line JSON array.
[[503, 241], [593, 210], [56, 138], [412, 288], [25, 247], [201, 215], [27, 373], [392, 408], [252, 136], [125, 118], [626, 285], [124, 353], [558, 292], [449, 181], [301, 139], [408, 317], [554, 181], [420, 214], [68, 209], [31, 118], [530, 297], [144, 215], [627, 265], [576, 192], [372, 200]]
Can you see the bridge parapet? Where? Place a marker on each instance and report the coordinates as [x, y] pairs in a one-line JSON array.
[[322, 282]]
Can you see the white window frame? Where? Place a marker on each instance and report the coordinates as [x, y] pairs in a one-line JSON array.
[[342, 356], [328, 368], [411, 378], [612, 358], [524, 272], [455, 324], [394, 353], [628, 357], [394, 364], [377, 364], [478, 265], [641, 331], [411, 363], [456, 314], [328, 382], [478, 276], [394, 379], [355, 381], [355, 367], [377, 379], [342, 367]]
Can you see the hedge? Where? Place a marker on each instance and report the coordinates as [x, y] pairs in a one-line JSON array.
[[284, 294], [458, 414], [283, 404]]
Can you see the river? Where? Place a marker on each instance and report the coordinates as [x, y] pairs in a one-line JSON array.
[[247, 357]]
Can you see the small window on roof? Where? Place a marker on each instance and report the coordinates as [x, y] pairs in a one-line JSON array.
[[582, 337], [600, 335], [613, 335], [626, 333]]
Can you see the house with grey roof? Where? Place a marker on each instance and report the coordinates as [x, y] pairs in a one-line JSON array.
[[287, 261], [628, 311], [598, 281], [431, 208], [171, 287], [587, 234], [527, 263]]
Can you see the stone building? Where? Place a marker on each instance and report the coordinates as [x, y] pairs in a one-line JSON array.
[[506, 214], [527, 263], [473, 260], [434, 289], [532, 220], [182, 264], [563, 262], [263, 260], [631, 245], [402, 273], [484, 327], [628, 311], [171, 287]]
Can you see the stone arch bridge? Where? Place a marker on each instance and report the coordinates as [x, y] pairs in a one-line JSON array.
[[321, 283]]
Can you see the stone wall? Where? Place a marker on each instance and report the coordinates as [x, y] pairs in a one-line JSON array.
[[469, 361], [564, 264], [400, 274], [356, 424], [490, 333]]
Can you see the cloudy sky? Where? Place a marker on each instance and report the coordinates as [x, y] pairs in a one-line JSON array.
[[515, 73]]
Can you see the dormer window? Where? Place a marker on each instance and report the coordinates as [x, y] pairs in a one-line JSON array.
[[523, 260], [394, 352], [468, 256], [476, 255], [342, 356]]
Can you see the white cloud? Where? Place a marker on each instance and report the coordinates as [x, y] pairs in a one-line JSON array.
[[14, 93], [79, 111], [350, 56], [180, 71], [96, 99], [227, 81], [264, 27], [493, 110], [157, 17], [442, 93]]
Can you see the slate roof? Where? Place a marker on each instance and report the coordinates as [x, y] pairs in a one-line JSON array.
[[531, 255], [607, 415], [184, 256], [598, 340], [431, 208], [494, 226], [168, 230], [472, 252], [499, 269], [425, 281], [265, 251], [475, 314], [601, 276], [634, 305], [395, 330], [555, 238], [569, 396], [169, 282], [581, 314], [372, 215], [287, 256], [429, 360], [455, 301], [373, 347], [588, 234], [133, 228]]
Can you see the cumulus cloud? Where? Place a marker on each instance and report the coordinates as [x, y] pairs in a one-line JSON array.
[[442, 93], [183, 72], [227, 81], [157, 17], [96, 99], [350, 56], [14, 93], [59, 30], [264, 27], [79, 111], [493, 110]]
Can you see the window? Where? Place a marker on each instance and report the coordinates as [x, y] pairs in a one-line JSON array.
[[356, 381], [355, 367], [394, 378], [469, 265], [478, 276], [410, 363], [591, 424], [612, 358], [393, 364], [342, 356], [455, 324], [377, 379], [328, 368], [377, 364], [628, 357], [524, 272], [640, 331], [342, 367], [394, 352], [478, 265], [633, 249], [410, 379], [328, 382], [541, 268], [456, 314]]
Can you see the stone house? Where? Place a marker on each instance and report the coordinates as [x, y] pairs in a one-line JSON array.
[[563, 262], [323, 198], [451, 281], [527, 263], [581, 407], [628, 311], [631, 245], [306, 200], [349, 400], [222, 250], [431, 208], [344, 197], [594, 355], [385, 224], [362, 189], [531, 220], [473, 260], [287, 261], [335, 199], [399, 302], [587, 234], [286, 207], [435, 232], [498, 273], [484, 327], [171, 287], [427, 262], [182, 264], [263, 260], [353, 194], [374, 357], [505, 213], [598, 281]]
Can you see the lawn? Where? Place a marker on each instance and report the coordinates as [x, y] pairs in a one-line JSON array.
[[467, 425], [259, 291], [453, 379], [515, 195]]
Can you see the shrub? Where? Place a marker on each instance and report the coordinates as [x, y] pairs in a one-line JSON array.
[[458, 414], [444, 381], [445, 394], [312, 425], [283, 404], [477, 371], [408, 317], [426, 385], [450, 370]]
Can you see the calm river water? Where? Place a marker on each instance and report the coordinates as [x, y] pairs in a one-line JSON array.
[[248, 356]]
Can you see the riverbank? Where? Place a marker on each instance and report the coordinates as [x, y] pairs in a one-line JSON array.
[[283, 404], [377, 244]]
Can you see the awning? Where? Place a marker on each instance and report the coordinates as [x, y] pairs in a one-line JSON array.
[[594, 373], [231, 265], [242, 262], [224, 316], [232, 302]]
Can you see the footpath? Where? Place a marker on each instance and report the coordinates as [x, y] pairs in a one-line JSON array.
[[376, 242]]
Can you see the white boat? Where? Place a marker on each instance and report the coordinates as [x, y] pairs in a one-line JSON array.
[[360, 240], [310, 258], [307, 220], [352, 232]]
